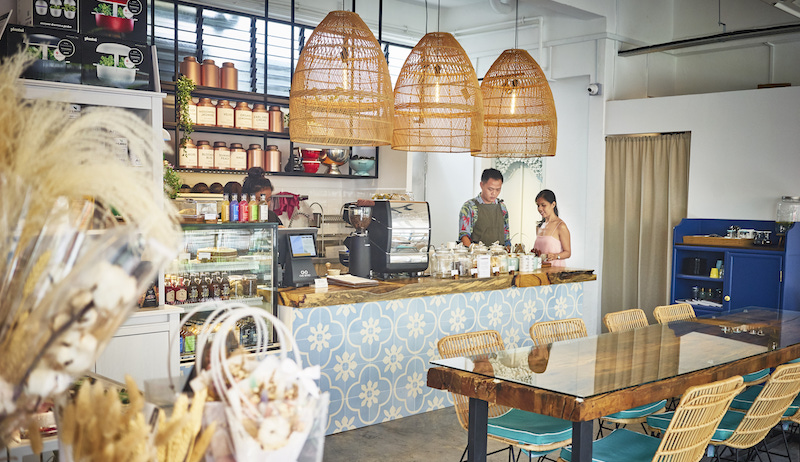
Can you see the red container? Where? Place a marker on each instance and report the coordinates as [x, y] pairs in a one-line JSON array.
[[113, 23], [311, 154], [310, 166]]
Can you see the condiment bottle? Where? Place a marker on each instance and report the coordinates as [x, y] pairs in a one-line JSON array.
[[180, 291], [234, 215], [253, 204], [209, 74], [272, 159], [260, 117], [230, 76], [222, 156], [263, 209], [206, 113], [205, 155], [225, 284], [255, 156], [275, 119], [243, 116], [190, 68], [238, 157], [224, 114], [194, 291], [188, 155], [225, 216], [244, 210], [204, 287], [169, 290], [216, 287]]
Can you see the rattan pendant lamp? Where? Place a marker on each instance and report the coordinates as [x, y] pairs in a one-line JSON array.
[[519, 111], [437, 100], [341, 90]]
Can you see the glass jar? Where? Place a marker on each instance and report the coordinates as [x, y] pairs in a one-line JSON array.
[[444, 262], [237, 287], [224, 114], [188, 157], [476, 249], [513, 263], [499, 259], [788, 210], [205, 155], [222, 156], [250, 285], [206, 113], [462, 261], [260, 117], [243, 116]]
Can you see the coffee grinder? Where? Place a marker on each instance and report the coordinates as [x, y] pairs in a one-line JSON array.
[[359, 215]]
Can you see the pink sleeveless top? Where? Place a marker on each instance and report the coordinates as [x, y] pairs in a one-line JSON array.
[[550, 244]]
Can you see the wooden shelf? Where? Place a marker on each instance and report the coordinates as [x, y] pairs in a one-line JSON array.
[[231, 131], [297, 174], [235, 95]]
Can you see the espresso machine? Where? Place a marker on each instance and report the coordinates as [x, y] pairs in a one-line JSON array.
[[400, 236], [359, 215]]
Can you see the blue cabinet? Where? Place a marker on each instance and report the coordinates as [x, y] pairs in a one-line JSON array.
[[765, 276]]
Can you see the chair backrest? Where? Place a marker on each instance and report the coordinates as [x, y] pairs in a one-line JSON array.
[[768, 408], [546, 332], [620, 321], [696, 418], [471, 343], [676, 312]]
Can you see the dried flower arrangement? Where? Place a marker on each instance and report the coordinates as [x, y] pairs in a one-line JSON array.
[[71, 271]]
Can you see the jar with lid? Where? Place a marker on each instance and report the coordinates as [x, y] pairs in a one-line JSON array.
[[205, 155], [224, 114], [513, 263], [272, 159], [444, 262], [191, 109], [255, 156], [499, 259], [206, 113], [238, 157], [275, 119], [462, 261], [230, 76], [250, 285], [260, 117], [243, 116], [222, 156], [237, 288], [188, 155], [190, 68], [209, 73]]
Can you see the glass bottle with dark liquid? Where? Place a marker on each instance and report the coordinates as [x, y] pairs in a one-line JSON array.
[[204, 287], [216, 286], [225, 287], [194, 290]]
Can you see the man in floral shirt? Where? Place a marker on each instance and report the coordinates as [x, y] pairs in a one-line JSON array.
[[485, 218]]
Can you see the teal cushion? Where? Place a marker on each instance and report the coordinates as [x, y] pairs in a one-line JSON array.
[[620, 445], [755, 376], [729, 422], [530, 428], [746, 399], [640, 411], [796, 360]]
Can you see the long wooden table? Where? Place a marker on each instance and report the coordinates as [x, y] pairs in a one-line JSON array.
[[587, 378]]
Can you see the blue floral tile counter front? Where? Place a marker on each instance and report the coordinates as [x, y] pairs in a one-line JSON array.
[[374, 356]]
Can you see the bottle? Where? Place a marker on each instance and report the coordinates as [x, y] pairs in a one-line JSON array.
[[180, 291], [216, 286], [224, 114], [253, 208], [194, 291], [206, 113], [225, 287], [244, 210], [225, 215], [190, 340], [234, 215], [182, 341], [204, 287], [169, 290], [260, 117], [263, 209], [243, 116]]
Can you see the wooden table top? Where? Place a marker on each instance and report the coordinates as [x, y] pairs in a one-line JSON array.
[[394, 289], [583, 379]]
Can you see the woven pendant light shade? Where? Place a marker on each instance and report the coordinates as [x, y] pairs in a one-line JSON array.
[[437, 100], [520, 114], [341, 91]]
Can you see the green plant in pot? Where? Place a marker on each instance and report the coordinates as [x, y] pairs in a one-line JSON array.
[[183, 95]]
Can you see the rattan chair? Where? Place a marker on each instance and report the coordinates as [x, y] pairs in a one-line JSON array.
[[765, 406], [676, 312], [698, 414], [536, 434], [620, 321], [546, 332]]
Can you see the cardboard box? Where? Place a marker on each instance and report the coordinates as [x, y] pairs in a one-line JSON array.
[[116, 63], [120, 19], [59, 52], [55, 14]]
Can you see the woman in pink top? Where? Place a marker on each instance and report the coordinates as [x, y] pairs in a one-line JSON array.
[[552, 236]]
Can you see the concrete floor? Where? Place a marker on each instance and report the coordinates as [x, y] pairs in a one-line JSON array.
[[437, 436]]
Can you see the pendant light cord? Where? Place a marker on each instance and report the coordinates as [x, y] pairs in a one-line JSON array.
[[426, 17], [438, 15], [516, 23]]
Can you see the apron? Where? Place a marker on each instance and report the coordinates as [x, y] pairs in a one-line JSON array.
[[489, 227]]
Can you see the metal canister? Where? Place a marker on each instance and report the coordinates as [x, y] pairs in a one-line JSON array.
[[243, 116], [275, 119], [190, 68], [230, 76], [238, 157], [209, 74], [206, 113], [255, 156], [188, 155], [225, 114], [272, 159], [260, 117], [222, 156], [205, 155]]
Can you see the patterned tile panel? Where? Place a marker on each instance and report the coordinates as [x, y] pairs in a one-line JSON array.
[[375, 356]]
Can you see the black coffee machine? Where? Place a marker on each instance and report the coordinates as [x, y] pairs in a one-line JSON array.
[[357, 259]]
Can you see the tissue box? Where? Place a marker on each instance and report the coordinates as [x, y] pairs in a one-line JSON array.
[[119, 19], [116, 63], [54, 14], [58, 52]]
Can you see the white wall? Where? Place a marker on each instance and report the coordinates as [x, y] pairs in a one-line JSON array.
[[744, 149]]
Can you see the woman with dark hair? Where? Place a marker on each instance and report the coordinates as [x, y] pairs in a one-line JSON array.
[[552, 236], [257, 184]]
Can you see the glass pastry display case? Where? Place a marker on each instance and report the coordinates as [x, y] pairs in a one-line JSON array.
[[225, 261]]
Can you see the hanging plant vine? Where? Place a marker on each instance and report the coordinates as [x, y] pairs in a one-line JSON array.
[[183, 95]]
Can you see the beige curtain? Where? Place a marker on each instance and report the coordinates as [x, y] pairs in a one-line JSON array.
[[647, 182]]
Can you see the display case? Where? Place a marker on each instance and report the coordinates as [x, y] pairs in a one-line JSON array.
[[225, 261]]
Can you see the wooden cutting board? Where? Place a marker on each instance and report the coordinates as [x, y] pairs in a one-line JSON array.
[[716, 241]]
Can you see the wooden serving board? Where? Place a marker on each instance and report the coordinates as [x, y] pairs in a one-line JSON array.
[[715, 241]]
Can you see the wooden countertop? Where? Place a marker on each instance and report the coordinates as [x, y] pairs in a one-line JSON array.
[[394, 289]]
